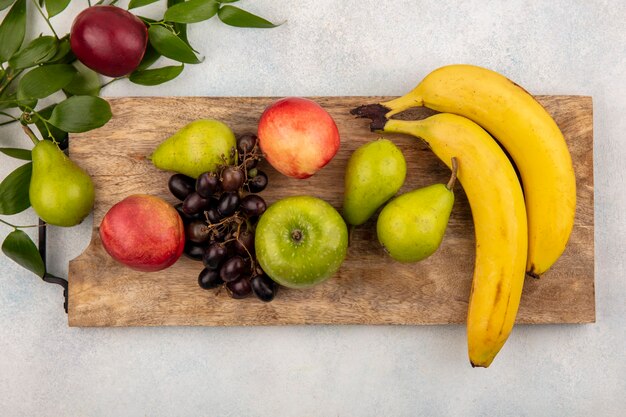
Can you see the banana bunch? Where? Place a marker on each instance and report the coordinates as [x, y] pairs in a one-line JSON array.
[[516, 233]]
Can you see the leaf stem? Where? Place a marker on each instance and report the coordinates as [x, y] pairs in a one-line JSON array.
[[45, 123], [46, 19], [21, 227], [30, 134], [15, 119], [111, 81], [9, 122]]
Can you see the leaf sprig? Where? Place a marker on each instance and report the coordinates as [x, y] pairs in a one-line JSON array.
[[45, 67]]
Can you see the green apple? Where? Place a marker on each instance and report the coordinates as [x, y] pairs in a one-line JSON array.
[[301, 241]]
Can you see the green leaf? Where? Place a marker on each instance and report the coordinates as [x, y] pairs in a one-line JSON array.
[[42, 81], [235, 16], [19, 247], [156, 76], [80, 114], [59, 135], [64, 53], [149, 58], [139, 3], [54, 7], [12, 30], [86, 82], [191, 11], [5, 3], [171, 46], [8, 101], [17, 153], [14, 190], [40, 50]]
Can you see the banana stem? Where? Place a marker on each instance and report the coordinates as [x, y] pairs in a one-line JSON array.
[[400, 104], [455, 168]]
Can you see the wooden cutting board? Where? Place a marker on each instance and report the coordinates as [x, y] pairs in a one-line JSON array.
[[370, 288]]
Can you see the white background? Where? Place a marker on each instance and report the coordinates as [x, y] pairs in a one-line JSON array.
[[354, 47]]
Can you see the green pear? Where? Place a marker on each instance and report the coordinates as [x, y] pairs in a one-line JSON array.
[[200, 146], [375, 172], [61, 193], [411, 226]]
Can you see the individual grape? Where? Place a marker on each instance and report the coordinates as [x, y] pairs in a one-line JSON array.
[[214, 255], [209, 278], [257, 183], [263, 287], [232, 178], [244, 245], [239, 288], [253, 205], [246, 143], [207, 184], [197, 231], [181, 186], [194, 203], [187, 218], [232, 269], [194, 251], [213, 215], [228, 204]]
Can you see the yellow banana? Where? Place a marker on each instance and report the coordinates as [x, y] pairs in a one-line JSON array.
[[527, 132], [499, 214]]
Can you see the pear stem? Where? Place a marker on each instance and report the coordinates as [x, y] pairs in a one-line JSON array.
[[455, 168], [30, 134]]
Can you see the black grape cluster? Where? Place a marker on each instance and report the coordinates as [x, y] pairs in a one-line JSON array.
[[220, 211]]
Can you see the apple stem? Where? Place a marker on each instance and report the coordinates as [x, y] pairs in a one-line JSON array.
[[455, 167]]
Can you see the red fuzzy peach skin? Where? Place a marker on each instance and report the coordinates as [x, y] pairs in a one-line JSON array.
[[143, 232], [297, 136]]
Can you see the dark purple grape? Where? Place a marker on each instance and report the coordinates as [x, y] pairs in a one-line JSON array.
[[209, 278], [214, 255], [181, 186], [207, 184], [194, 251], [263, 287], [228, 204], [187, 218], [244, 245], [195, 204], [232, 178], [232, 269], [253, 205], [257, 183], [239, 288], [246, 143], [197, 231], [213, 215]]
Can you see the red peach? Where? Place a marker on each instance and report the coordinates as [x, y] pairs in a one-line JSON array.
[[109, 40], [143, 232], [297, 136]]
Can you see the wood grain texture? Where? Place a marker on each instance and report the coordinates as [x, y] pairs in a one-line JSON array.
[[370, 288]]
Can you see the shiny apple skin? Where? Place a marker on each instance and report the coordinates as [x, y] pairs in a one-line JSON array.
[[297, 136], [143, 232], [109, 40]]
